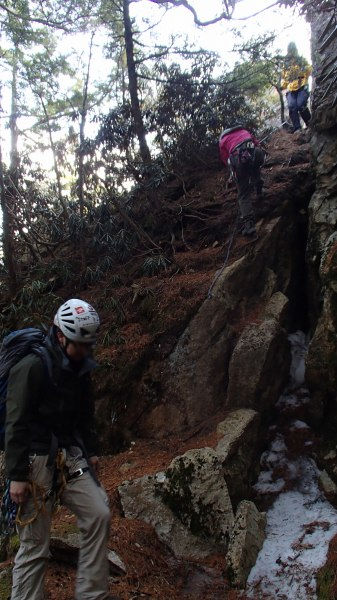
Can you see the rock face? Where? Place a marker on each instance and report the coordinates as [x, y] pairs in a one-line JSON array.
[[237, 451], [140, 500], [188, 505], [261, 351], [196, 492], [322, 242], [245, 543], [194, 378]]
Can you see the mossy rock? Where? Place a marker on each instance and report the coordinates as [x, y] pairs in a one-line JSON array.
[[5, 584], [326, 581], [195, 491]]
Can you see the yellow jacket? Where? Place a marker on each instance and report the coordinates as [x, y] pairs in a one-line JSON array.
[[294, 77]]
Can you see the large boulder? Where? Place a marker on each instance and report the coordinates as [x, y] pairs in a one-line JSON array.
[[237, 451], [259, 365], [195, 490], [246, 541], [188, 504], [140, 500], [194, 378]]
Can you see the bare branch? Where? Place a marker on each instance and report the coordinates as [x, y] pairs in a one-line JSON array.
[[226, 15], [256, 13]]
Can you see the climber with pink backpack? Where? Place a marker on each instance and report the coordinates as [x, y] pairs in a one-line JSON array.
[[241, 151]]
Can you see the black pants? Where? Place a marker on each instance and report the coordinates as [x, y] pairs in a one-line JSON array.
[[248, 178]]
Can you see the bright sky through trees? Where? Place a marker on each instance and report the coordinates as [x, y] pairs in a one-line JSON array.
[[221, 38]]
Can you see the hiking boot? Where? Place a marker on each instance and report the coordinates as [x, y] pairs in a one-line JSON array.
[[259, 191], [306, 115], [249, 227]]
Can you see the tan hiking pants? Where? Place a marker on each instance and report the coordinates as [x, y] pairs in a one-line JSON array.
[[90, 505]]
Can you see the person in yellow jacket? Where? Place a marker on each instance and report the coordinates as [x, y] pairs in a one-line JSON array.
[[295, 77]]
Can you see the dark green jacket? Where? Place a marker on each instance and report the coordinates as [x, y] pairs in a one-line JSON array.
[[41, 410]]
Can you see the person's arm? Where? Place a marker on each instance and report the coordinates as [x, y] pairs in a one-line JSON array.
[[25, 381], [255, 140], [284, 80]]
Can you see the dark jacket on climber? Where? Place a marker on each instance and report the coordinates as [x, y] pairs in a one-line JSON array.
[[63, 409], [50, 446], [241, 151]]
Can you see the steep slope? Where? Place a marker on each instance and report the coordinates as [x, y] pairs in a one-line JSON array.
[[197, 372], [166, 373]]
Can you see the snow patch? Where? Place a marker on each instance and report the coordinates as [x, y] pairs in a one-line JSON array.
[[300, 526], [301, 522], [299, 425]]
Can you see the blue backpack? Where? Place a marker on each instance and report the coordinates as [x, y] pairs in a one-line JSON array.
[[15, 346]]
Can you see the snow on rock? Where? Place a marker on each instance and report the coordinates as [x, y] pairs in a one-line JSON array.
[[301, 522], [299, 425], [299, 349], [300, 526]]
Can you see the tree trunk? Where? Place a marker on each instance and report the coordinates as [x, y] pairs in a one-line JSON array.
[[133, 85], [9, 194], [282, 107], [56, 166], [7, 234], [14, 155], [83, 113]]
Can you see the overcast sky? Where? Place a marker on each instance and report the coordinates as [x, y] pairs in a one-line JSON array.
[[287, 23]]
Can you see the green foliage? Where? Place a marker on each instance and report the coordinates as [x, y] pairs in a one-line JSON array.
[[113, 305], [184, 106], [34, 305], [115, 281], [56, 272], [154, 264], [93, 274], [5, 584], [112, 337], [192, 108]]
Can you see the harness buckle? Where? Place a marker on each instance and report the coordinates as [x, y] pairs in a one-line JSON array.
[[77, 473]]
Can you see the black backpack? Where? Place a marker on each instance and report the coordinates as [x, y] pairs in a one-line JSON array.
[[15, 346]]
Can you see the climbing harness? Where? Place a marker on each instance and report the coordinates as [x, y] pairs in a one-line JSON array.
[[11, 513]]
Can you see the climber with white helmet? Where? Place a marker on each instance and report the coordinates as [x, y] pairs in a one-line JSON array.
[[51, 454]]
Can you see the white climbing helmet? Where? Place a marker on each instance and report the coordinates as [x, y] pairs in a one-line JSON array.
[[78, 321]]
